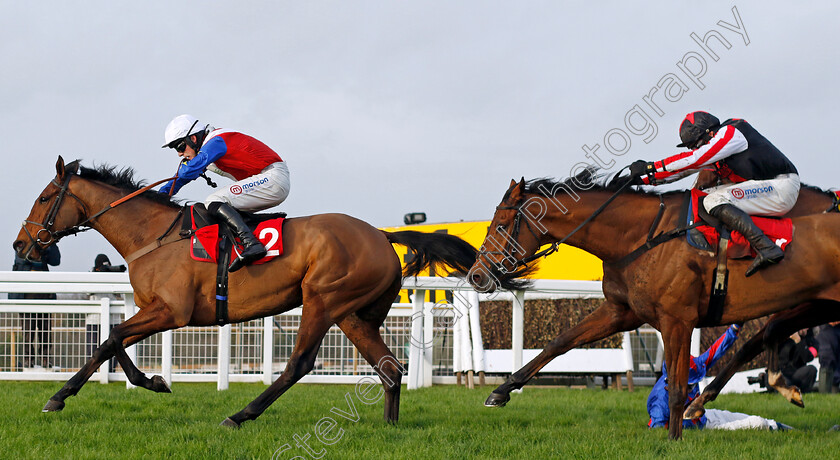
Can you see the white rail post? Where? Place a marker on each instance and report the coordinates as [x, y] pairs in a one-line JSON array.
[[415, 342], [428, 341], [268, 349], [166, 357], [477, 339], [104, 332], [695, 343], [224, 358], [130, 310], [457, 365], [462, 328], [517, 329]]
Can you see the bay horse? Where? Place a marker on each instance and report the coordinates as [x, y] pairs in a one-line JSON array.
[[667, 286], [812, 200], [342, 270]]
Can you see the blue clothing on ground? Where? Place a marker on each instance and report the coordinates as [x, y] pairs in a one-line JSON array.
[[657, 404]]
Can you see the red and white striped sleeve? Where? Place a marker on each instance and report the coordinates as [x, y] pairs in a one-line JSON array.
[[728, 141]]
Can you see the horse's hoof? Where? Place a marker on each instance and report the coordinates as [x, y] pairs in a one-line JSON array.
[[53, 406], [692, 412], [497, 400], [159, 385], [228, 422]]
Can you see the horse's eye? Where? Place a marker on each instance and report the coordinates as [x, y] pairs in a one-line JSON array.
[[44, 199]]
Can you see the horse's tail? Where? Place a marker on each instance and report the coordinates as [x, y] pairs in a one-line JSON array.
[[429, 248]]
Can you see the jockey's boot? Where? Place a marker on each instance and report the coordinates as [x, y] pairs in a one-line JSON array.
[[252, 249], [767, 251]]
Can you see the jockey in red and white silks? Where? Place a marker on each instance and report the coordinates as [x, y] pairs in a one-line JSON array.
[[765, 182], [760, 178], [262, 177]]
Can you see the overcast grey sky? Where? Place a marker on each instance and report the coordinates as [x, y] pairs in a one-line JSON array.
[[381, 108]]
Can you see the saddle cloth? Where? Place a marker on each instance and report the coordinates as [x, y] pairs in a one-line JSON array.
[[705, 237], [206, 234]]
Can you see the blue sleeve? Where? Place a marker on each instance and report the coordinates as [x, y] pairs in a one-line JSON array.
[[719, 348], [211, 151]]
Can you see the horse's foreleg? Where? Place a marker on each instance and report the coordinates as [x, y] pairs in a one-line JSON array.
[[102, 354], [145, 323], [606, 320], [676, 336], [745, 354], [310, 335], [148, 321], [365, 336]]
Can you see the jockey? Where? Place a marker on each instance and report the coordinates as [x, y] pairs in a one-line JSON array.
[[657, 403], [262, 177], [760, 180]]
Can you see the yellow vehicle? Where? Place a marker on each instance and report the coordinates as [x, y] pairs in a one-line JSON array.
[[568, 263]]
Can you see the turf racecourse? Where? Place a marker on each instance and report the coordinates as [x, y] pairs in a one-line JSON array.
[[108, 421]]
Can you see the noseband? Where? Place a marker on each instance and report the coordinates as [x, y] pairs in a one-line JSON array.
[[51, 237]]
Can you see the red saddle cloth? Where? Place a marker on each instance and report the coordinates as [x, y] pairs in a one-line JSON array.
[[780, 230], [269, 232]]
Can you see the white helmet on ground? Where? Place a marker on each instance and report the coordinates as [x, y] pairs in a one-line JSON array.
[[181, 127]]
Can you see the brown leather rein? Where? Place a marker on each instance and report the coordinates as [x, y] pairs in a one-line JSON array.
[[54, 236]]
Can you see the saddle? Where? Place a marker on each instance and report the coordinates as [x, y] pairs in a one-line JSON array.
[[212, 242], [707, 233], [706, 236], [206, 235]]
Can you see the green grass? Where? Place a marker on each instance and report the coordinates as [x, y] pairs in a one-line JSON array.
[[108, 421]]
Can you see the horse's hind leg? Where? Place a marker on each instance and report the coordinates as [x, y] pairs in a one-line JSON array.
[[780, 327], [313, 328], [366, 337], [606, 320]]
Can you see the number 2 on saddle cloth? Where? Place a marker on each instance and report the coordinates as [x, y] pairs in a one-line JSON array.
[[204, 245], [779, 230]]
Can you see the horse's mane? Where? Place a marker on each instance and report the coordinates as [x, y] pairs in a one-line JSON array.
[[591, 179], [122, 178]]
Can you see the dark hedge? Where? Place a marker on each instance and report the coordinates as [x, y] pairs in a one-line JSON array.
[[544, 320]]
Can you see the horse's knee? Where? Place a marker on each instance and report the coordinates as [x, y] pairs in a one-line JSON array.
[[301, 366]]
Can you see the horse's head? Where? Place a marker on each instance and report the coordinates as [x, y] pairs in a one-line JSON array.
[[510, 238], [51, 213]]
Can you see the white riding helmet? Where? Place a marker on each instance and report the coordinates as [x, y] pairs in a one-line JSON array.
[[181, 127]]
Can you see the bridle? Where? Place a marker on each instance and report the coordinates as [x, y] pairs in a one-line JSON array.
[[52, 237], [517, 224], [46, 236]]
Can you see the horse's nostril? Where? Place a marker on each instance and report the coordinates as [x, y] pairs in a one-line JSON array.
[[17, 245]]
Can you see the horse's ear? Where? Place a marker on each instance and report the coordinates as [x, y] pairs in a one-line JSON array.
[[512, 184], [59, 167]]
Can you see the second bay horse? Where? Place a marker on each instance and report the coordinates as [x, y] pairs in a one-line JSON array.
[[667, 286]]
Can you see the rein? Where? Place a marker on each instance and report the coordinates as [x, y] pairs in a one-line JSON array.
[[53, 237], [556, 245]]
